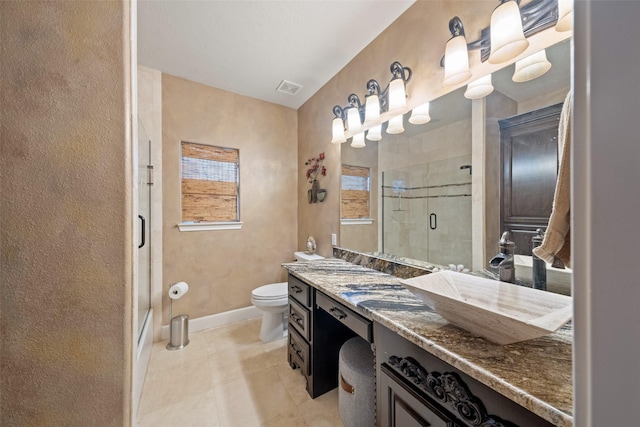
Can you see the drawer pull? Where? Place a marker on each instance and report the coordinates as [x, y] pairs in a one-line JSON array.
[[297, 350], [296, 289], [297, 319], [337, 313]]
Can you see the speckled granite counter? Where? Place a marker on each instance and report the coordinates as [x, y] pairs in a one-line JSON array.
[[535, 374]]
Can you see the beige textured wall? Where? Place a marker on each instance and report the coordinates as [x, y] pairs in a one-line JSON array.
[[222, 267], [416, 39], [65, 214]]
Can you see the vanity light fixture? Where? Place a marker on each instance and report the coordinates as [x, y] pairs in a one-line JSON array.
[[338, 129], [375, 133], [531, 67], [507, 34], [372, 103], [479, 88], [396, 125], [358, 140], [354, 120], [504, 39], [420, 115], [565, 15], [358, 117], [456, 55]]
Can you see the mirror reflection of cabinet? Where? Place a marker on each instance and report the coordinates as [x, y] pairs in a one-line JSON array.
[[529, 156]]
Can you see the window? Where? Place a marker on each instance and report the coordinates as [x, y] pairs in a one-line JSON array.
[[355, 192], [209, 183]]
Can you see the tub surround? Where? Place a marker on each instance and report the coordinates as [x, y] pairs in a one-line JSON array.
[[536, 374]]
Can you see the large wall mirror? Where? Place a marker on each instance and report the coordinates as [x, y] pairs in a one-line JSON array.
[[434, 190]]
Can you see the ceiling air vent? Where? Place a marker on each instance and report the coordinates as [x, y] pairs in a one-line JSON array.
[[288, 87]]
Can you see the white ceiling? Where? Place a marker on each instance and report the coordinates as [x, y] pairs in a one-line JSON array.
[[249, 47]]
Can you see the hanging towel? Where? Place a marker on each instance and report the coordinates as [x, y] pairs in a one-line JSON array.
[[556, 245]]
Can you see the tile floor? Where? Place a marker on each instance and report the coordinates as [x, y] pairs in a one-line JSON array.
[[227, 377]]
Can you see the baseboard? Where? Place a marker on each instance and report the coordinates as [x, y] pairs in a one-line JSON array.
[[215, 320]]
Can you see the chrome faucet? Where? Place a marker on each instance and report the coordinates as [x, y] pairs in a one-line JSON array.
[[503, 262]]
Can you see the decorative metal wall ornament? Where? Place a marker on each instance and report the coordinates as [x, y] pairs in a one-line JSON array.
[[449, 390]]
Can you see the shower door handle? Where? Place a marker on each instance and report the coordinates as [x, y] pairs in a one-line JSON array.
[[142, 231], [433, 221]]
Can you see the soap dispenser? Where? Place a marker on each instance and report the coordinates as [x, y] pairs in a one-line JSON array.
[[539, 267], [503, 262]]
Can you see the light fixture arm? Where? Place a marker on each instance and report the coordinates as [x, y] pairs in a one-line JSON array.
[[354, 101], [538, 15], [373, 87], [455, 27], [398, 71]]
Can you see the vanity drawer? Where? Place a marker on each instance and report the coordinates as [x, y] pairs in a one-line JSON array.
[[299, 352], [352, 320], [300, 291], [300, 318]]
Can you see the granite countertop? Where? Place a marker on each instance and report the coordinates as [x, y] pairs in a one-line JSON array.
[[535, 374]]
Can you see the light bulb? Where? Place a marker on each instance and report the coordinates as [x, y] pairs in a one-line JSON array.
[[397, 96], [507, 37], [479, 88], [372, 110], [395, 125], [338, 131], [358, 140], [375, 133], [420, 115], [353, 121], [565, 15], [531, 67], [456, 61]]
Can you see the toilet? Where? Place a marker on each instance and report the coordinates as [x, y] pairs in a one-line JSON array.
[[273, 301]]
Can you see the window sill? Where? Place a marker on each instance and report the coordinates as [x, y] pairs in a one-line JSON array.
[[209, 226], [356, 221]]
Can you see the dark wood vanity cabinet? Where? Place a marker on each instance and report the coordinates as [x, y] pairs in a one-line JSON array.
[[529, 156], [317, 330], [415, 388]]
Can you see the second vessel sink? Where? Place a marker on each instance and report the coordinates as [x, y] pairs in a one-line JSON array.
[[501, 312]]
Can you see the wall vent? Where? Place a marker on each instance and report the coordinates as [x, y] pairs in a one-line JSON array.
[[288, 87]]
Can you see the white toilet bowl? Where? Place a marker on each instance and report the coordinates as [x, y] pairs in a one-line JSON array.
[[273, 301]]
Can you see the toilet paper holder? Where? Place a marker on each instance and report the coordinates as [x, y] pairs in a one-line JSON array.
[[179, 325]]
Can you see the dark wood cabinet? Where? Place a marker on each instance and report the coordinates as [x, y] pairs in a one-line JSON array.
[[317, 330], [415, 388], [403, 406], [529, 156]]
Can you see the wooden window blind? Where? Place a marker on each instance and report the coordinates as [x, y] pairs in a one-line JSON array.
[[210, 181], [354, 192]]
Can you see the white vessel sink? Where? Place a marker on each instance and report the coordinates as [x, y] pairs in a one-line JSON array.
[[500, 312]]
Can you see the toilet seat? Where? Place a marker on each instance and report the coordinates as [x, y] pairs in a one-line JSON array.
[[274, 291]]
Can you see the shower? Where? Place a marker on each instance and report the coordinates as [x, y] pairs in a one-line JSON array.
[[426, 211]]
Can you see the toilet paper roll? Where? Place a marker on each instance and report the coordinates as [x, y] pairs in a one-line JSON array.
[[178, 290]]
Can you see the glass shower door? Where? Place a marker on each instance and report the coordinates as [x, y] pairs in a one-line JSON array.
[[426, 211], [144, 227]]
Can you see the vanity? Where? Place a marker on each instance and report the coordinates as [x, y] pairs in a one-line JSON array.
[[428, 372]]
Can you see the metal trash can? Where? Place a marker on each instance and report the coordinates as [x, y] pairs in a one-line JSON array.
[[357, 388], [179, 332]]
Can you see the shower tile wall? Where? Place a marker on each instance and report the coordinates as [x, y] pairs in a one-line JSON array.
[[430, 159]]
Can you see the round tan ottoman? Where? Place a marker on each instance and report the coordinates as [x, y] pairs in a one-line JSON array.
[[356, 384]]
